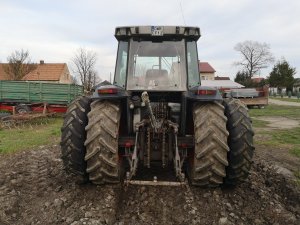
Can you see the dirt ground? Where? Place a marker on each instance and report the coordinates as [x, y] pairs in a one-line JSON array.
[[34, 189], [279, 122], [278, 102]]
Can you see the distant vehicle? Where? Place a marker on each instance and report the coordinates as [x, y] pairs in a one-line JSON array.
[[25, 96], [251, 97]]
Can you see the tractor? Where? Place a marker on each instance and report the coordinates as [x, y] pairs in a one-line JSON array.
[[156, 114]]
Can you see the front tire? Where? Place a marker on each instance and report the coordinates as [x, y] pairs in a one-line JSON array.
[[210, 158]]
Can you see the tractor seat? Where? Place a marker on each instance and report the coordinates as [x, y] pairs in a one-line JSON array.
[[159, 77]]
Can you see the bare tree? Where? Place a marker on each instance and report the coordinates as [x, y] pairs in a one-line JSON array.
[[74, 80], [96, 79], [93, 79], [255, 56], [84, 62], [19, 65]]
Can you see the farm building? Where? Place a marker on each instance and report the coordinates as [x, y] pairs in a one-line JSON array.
[[45, 72], [296, 87], [207, 72]]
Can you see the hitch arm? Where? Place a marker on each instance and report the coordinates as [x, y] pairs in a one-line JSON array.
[[178, 162], [134, 158]]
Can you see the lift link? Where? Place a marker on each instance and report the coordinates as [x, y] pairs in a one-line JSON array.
[[177, 161], [133, 162]]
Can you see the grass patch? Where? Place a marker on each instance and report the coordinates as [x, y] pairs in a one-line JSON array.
[[288, 138], [296, 151], [286, 99], [259, 123], [30, 137], [284, 138], [277, 110]]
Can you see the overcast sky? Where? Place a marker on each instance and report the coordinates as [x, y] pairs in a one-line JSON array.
[[52, 30]]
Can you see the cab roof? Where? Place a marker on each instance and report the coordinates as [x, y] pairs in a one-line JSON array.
[[157, 32]]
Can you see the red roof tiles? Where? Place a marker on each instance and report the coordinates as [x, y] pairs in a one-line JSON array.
[[3, 75], [43, 72], [205, 67], [47, 71]]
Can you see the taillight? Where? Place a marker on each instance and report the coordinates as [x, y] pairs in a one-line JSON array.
[[107, 91], [128, 144], [183, 145], [206, 92]]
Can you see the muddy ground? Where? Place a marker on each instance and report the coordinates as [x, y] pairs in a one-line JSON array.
[[34, 189]]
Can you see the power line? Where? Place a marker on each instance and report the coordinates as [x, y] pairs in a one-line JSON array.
[[182, 13]]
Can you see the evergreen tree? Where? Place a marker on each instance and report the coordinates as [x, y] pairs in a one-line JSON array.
[[282, 75], [243, 78]]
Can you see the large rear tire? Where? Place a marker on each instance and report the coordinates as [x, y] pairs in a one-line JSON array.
[[73, 138], [102, 142], [210, 158], [240, 141]]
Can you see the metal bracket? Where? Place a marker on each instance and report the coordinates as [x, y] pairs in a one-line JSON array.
[[156, 183], [146, 100], [133, 162], [177, 160]]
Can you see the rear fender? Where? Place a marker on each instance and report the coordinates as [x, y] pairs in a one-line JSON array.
[[109, 92]]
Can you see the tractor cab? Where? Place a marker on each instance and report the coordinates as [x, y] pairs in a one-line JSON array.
[[157, 58]]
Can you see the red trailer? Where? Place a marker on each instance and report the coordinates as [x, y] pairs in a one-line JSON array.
[[251, 97]]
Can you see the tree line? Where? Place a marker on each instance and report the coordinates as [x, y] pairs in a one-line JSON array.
[[19, 64], [256, 56]]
